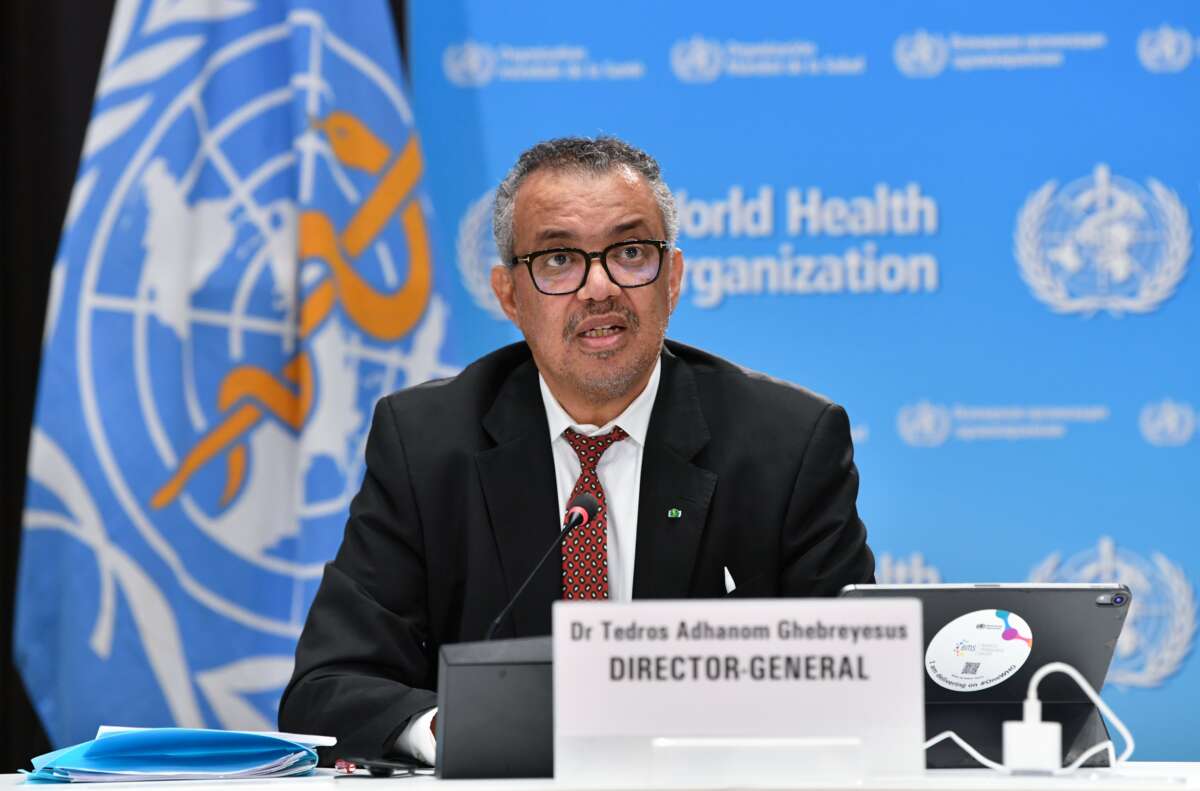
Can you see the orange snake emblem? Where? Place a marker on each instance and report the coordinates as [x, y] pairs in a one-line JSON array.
[[249, 394]]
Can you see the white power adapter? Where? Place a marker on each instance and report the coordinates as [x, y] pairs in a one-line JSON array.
[[1031, 745]]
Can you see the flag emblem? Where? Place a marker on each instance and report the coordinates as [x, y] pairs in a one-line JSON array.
[[246, 267]]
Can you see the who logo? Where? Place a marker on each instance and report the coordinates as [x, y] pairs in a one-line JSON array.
[[1165, 49], [924, 424], [1103, 243], [697, 59], [469, 64], [1167, 423], [477, 254], [245, 270], [921, 54]]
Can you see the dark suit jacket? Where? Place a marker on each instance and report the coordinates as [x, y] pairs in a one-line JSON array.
[[459, 502]]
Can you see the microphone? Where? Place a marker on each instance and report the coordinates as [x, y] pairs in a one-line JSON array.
[[581, 510]]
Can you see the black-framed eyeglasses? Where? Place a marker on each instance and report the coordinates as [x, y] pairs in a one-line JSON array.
[[564, 270]]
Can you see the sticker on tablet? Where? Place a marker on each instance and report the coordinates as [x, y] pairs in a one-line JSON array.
[[978, 650]]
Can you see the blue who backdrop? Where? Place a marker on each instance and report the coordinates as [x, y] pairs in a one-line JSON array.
[[971, 225]]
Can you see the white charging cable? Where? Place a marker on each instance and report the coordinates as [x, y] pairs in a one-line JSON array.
[[1031, 745], [968, 749], [1109, 714]]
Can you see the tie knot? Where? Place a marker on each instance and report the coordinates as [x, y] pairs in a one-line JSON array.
[[590, 449]]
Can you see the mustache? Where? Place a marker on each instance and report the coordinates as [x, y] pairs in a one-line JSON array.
[[599, 309]]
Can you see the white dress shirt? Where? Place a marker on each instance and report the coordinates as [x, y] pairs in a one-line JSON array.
[[620, 473], [619, 469]]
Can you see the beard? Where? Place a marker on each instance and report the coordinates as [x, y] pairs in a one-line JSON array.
[[600, 384]]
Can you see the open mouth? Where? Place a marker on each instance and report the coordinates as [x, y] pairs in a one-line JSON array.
[[601, 332]]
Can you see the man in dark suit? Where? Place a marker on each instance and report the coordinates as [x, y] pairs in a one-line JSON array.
[[711, 478]]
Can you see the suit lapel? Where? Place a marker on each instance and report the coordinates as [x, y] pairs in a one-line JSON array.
[[518, 484], [675, 494]]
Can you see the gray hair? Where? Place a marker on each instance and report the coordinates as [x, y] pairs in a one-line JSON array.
[[593, 155]]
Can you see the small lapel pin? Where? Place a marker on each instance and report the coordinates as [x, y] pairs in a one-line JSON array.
[[674, 513]]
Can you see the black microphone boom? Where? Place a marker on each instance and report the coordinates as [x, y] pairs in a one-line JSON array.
[[581, 510]]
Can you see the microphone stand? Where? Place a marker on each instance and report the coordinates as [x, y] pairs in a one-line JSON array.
[[562, 535]]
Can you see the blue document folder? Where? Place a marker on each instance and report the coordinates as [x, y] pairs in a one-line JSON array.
[[174, 754]]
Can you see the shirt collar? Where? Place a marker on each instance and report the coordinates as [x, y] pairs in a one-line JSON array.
[[635, 420]]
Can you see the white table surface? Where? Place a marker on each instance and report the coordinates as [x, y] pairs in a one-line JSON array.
[[1136, 776]]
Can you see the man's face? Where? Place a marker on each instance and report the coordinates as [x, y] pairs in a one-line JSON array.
[[599, 344]]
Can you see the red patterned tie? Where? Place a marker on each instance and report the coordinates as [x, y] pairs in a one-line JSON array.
[[585, 552]]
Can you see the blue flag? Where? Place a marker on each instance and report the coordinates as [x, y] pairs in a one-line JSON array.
[[245, 268]]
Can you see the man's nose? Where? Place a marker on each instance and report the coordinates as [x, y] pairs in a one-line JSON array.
[[598, 286]]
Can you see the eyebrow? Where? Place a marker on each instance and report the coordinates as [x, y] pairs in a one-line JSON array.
[[552, 234], [625, 227], [558, 234]]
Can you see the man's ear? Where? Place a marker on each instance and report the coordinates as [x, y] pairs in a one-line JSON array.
[[675, 278], [504, 289]]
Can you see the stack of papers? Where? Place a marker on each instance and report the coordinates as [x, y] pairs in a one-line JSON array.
[[121, 755]]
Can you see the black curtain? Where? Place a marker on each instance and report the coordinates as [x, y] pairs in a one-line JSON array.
[[50, 53]]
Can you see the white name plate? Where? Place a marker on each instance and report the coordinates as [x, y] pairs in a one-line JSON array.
[[719, 692]]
